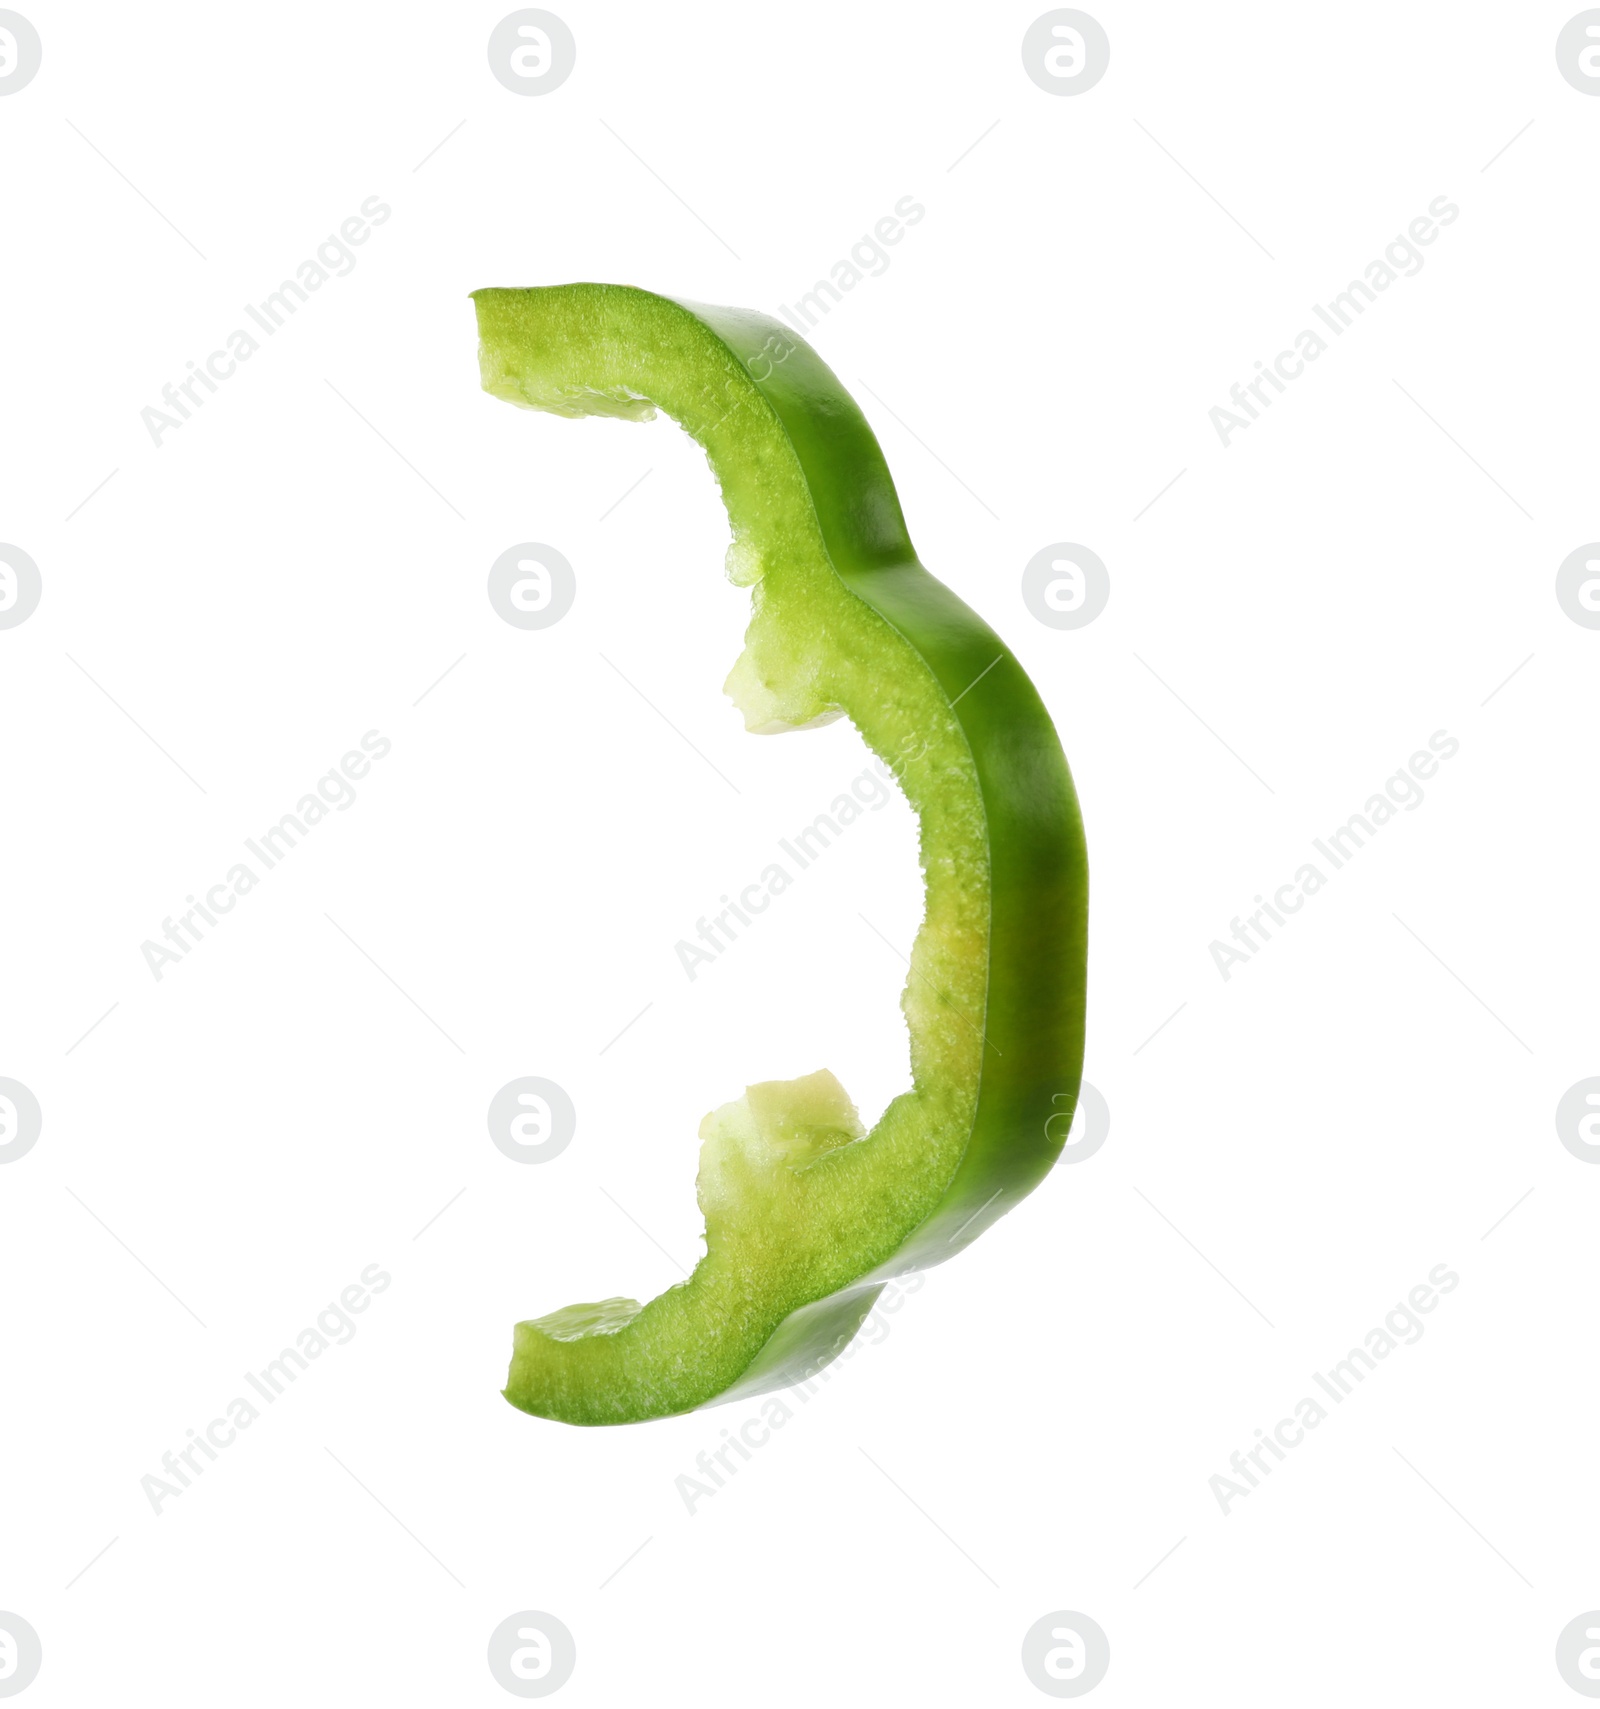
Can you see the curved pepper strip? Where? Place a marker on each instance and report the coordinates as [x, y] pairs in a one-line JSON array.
[[808, 1216]]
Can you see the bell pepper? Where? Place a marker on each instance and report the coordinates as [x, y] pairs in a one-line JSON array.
[[808, 1215]]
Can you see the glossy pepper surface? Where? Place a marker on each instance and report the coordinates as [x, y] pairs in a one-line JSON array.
[[807, 1214]]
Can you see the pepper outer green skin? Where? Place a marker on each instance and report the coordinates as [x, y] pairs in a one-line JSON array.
[[807, 1215]]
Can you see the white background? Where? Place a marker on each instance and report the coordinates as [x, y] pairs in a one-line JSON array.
[[1357, 1104]]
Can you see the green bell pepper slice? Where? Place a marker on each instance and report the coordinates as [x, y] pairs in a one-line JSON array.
[[808, 1215]]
